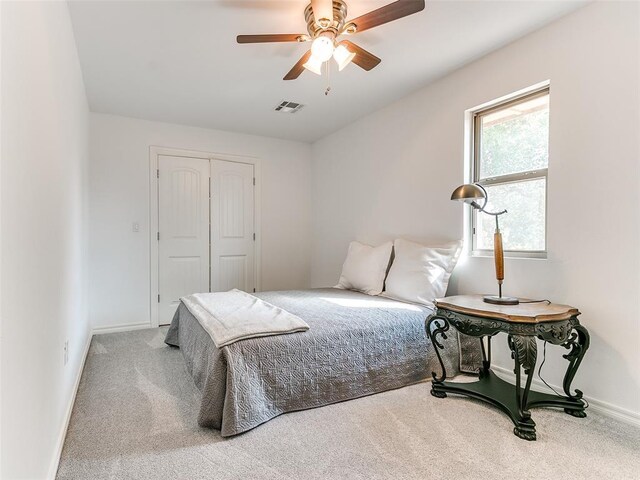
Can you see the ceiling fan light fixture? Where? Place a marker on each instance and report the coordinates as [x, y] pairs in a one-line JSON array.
[[314, 64], [343, 56], [322, 48]]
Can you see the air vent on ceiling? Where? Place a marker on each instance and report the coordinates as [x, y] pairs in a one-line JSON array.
[[288, 107]]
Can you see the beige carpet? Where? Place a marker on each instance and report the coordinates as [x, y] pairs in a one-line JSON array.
[[135, 418]]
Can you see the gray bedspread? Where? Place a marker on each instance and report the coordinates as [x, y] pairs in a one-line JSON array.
[[356, 345]]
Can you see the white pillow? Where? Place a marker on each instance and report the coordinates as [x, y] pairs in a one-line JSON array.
[[420, 274], [365, 268]]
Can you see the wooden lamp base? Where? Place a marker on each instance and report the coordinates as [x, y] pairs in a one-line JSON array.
[[498, 254]]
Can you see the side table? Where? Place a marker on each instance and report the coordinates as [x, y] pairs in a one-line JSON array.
[[523, 323]]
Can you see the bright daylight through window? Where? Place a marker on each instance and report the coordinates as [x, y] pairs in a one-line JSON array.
[[511, 156]]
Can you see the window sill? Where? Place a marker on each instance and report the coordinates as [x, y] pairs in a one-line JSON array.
[[521, 255]]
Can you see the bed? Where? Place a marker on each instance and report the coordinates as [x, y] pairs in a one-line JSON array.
[[356, 345]]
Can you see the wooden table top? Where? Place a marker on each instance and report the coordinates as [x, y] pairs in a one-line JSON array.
[[474, 305]]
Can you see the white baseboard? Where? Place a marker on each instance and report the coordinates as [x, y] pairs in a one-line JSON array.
[[53, 469], [595, 405], [125, 327]]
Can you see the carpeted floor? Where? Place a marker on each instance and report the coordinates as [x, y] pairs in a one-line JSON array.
[[135, 418]]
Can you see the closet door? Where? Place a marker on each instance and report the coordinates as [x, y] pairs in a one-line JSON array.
[[232, 226], [183, 201]]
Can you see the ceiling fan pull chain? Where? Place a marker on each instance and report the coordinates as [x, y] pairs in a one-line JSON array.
[[328, 64]]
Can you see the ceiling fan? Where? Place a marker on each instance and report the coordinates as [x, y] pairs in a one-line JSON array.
[[326, 21]]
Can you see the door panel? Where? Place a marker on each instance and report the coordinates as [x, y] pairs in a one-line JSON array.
[[232, 226], [183, 200], [232, 206], [233, 272]]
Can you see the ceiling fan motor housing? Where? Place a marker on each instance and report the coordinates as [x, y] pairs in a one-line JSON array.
[[336, 27]]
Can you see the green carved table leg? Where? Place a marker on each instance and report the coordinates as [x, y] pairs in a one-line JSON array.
[[578, 342], [524, 352], [437, 325]]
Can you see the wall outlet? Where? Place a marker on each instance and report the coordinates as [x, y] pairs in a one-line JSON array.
[[66, 351], [135, 227]]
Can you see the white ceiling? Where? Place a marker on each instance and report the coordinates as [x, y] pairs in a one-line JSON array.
[[178, 61]]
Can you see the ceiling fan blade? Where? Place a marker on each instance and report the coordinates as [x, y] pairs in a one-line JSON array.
[[363, 59], [298, 68], [388, 13], [278, 37], [322, 9]]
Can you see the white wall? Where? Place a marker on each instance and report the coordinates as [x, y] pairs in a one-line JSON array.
[[400, 165], [0, 238], [119, 258], [43, 214]]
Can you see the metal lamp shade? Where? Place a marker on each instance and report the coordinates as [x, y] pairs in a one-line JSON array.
[[468, 193]]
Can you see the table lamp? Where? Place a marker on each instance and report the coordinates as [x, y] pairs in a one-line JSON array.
[[470, 193]]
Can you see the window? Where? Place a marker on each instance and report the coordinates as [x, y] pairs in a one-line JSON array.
[[511, 156]]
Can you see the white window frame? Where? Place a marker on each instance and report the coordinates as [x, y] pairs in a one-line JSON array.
[[475, 133]]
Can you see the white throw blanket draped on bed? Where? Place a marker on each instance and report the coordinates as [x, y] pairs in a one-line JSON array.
[[235, 315]]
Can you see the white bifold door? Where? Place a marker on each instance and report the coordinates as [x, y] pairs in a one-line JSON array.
[[232, 226], [206, 239]]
